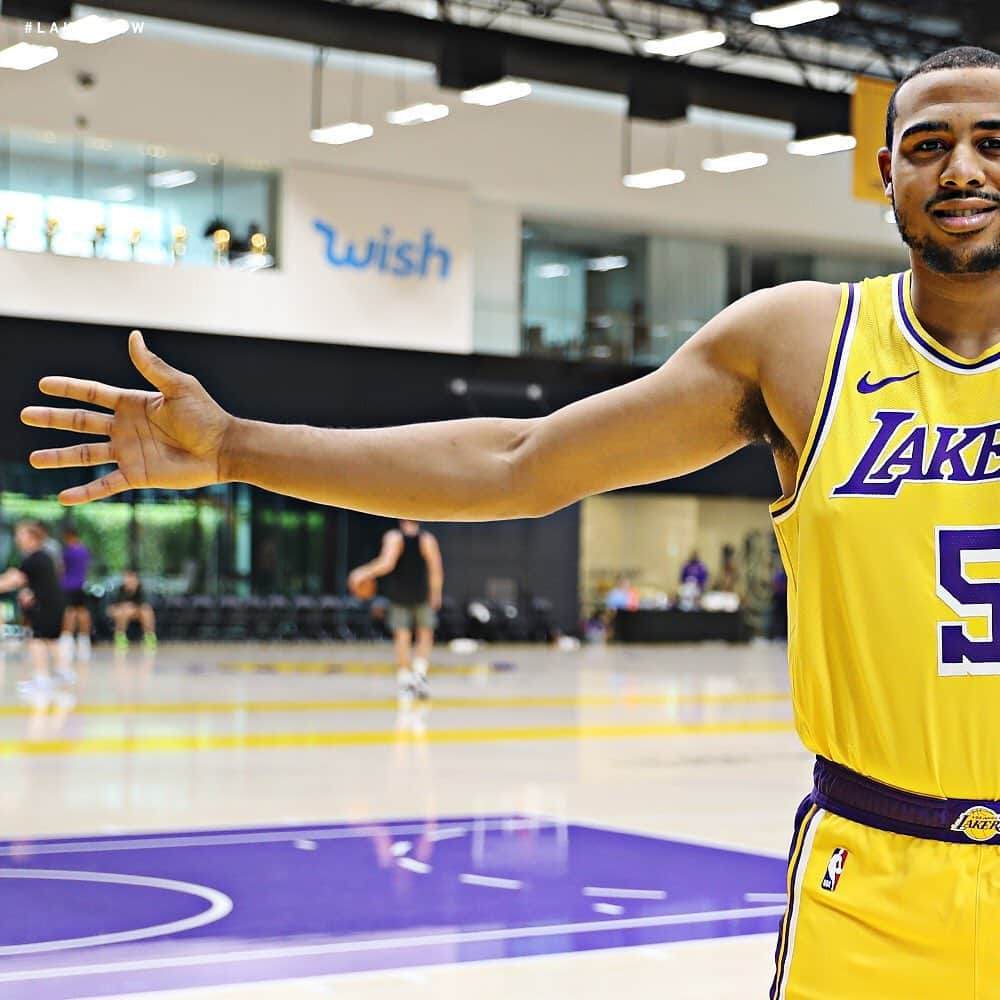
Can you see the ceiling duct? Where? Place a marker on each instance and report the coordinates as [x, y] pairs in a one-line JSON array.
[[463, 66], [42, 11], [467, 56], [652, 100]]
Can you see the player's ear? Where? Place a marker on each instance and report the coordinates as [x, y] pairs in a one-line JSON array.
[[885, 169]]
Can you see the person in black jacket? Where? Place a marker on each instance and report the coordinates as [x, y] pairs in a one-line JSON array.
[[42, 603]]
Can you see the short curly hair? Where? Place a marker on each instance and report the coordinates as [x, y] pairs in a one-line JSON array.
[[962, 57]]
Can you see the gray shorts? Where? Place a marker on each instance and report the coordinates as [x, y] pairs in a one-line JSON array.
[[411, 616]]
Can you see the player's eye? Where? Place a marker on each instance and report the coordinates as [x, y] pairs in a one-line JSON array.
[[992, 144], [928, 146]]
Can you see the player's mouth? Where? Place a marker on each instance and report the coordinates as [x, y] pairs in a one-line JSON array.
[[966, 215]]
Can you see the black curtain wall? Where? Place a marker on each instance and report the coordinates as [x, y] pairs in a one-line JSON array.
[[329, 385], [335, 385]]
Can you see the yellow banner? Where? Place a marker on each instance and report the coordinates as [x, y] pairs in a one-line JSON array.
[[868, 108]]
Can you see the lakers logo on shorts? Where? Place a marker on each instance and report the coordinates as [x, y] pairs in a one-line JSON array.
[[980, 823]]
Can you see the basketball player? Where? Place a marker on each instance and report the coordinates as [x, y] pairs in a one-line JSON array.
[[881, 403], [410, 564], [129, 604], [42, 603], [76, 619]]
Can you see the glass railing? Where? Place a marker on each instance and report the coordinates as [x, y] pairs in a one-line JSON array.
[[609, 337]]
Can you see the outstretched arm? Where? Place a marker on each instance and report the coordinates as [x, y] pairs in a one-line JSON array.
[[678, 419]]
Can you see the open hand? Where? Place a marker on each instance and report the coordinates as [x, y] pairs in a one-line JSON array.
[[172, 439]]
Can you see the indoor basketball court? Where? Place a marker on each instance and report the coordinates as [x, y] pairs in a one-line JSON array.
[[263, 734]]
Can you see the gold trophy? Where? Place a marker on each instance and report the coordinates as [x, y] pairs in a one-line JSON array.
[[51, 226], [97, 240], [179, 246], [258, 243], [222, 239], [134, 242]]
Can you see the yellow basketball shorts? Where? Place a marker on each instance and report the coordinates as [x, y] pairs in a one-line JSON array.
[[880, 915]]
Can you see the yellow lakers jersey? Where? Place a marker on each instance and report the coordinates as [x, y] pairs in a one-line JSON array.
[[891, 543]]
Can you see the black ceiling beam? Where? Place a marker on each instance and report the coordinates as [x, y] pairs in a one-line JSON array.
[[361, 29], [43, 11]]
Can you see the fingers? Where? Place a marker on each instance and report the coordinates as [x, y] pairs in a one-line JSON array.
[[106, 486], [55, 418], [82, 390], [152, 368], [77, 455]]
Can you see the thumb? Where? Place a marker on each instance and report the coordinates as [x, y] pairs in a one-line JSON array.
[[152, 368]]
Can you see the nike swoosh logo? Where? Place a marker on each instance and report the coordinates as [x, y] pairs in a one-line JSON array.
[[866, 387]]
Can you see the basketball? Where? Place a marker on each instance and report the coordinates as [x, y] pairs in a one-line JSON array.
[[365, 589]]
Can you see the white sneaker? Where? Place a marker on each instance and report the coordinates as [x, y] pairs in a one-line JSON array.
[[37, 691], [404, 680], [66, 674], [83, 648], [421, 688], [66, 647]]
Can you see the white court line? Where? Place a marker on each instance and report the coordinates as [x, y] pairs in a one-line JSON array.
[[401, 847], [593, 890], [765, 897], [220, 905], [412, 865], [612, 909], [429, 940], [446, 834], [660, 835], [26, 846], [491, 883], [349, 977]]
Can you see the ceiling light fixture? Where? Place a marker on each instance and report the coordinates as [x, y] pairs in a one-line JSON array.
[[121, 193], [734, 162], [820, 145], [609, 263], [417, 114], [682, 45], [499, 92], [172, 178], [654, 178], [24, 56], [552, 271], [789, 14], [338, 135], [93, 29]]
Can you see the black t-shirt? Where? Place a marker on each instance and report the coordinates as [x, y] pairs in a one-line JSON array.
[[125, 596], [408, 583], [43, 580]]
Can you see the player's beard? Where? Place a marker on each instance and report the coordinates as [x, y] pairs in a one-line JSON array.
[[944, 258]]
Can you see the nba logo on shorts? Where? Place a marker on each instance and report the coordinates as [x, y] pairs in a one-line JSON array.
[[834, 869]]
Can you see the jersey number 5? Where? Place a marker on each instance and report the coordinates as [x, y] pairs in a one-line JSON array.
[[975, 596]]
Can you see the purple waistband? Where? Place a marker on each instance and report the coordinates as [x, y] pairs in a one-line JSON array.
[[863, 800]]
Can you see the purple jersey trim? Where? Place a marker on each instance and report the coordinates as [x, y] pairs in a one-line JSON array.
[[828, 402], [863, 800], [802, 816], [927, 345]]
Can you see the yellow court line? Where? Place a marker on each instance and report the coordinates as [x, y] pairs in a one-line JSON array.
[[266, 741], [384, 704]]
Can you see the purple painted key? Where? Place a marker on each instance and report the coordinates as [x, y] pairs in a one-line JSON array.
[[98, 917]]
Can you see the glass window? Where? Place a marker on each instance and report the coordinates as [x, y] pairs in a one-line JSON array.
[[90, 197], [605, 295], [581, 291]]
